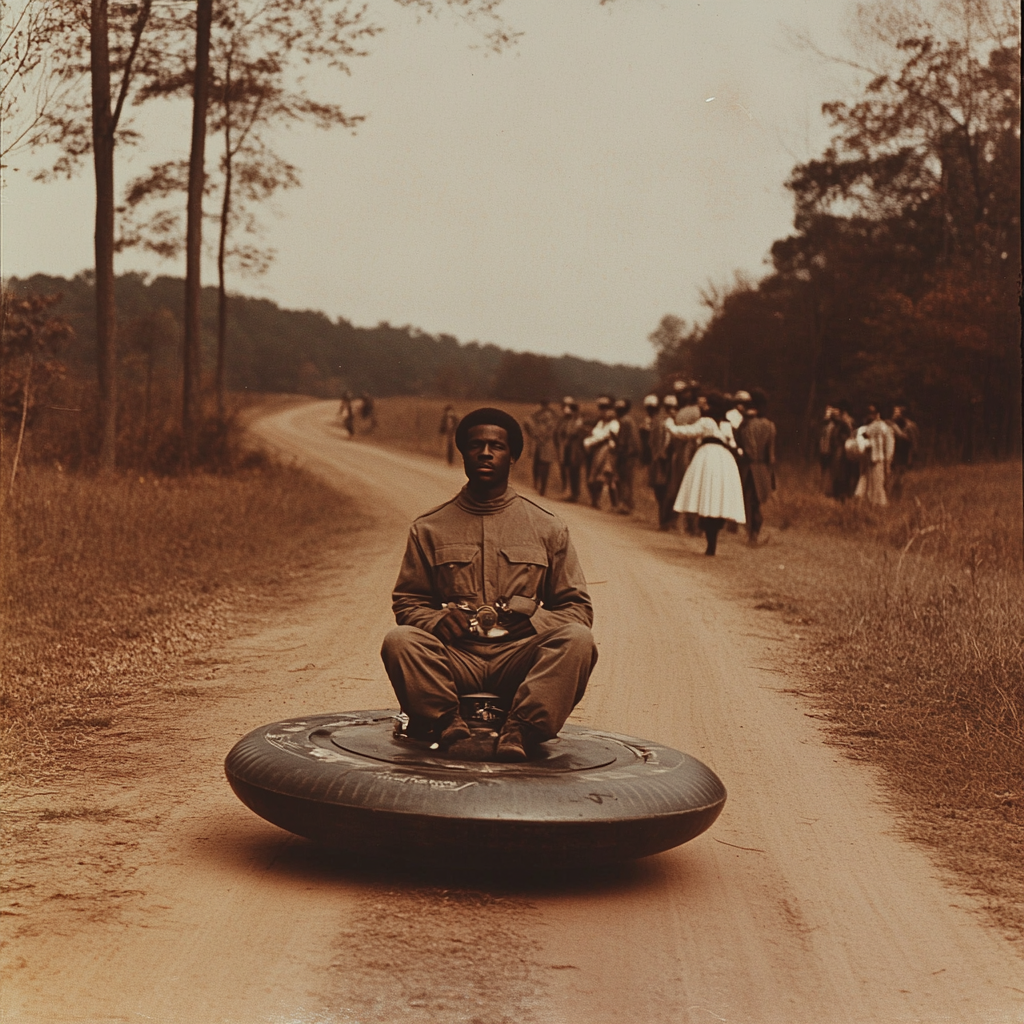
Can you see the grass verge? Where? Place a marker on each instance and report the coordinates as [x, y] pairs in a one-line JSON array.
[[106, 581], [917, 654]]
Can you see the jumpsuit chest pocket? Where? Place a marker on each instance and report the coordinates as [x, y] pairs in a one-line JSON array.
[[522, 568], [456, 571]]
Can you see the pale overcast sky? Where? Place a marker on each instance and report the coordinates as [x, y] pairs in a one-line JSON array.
[[558, 198]]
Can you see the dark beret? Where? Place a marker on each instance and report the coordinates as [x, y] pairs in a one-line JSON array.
[[494, 418]]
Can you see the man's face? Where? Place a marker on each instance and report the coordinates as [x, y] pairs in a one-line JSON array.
[[488, 457], [702, 403]]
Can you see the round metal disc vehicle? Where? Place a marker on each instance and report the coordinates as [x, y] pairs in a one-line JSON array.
[[357, 783]]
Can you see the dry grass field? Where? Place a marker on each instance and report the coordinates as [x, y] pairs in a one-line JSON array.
[[915, 614], [107, 583]]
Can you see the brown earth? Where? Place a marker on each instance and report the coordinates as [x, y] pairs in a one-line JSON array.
[[140, 889]]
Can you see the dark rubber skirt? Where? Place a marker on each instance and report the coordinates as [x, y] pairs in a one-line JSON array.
[[589, 797]]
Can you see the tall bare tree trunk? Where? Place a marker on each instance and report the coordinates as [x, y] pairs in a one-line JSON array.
[[194, 229], [225, 215], [103, 161], [148, 407]]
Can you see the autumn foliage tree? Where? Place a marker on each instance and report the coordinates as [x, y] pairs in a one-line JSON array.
[[900, 280]]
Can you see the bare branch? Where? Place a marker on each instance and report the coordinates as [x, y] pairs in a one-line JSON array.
[[126, 75]]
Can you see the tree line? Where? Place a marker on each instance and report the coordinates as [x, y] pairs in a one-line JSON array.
[[900, 281], [270, 349]]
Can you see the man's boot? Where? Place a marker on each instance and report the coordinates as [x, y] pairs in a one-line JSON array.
[[453, 730], [517, 741]]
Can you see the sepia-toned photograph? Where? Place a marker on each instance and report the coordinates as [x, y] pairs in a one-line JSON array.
[[511, 512]]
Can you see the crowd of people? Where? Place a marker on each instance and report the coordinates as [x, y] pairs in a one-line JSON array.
[[867, 461], [708, 457]]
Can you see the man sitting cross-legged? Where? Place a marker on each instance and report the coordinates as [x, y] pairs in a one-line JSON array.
[[490, 597]]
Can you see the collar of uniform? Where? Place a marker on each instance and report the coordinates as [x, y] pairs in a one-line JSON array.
[[468, 503]]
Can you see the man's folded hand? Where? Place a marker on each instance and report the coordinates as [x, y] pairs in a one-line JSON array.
[[453, 625]]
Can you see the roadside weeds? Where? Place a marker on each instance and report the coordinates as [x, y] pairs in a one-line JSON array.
[[109, 584], [915, 658]]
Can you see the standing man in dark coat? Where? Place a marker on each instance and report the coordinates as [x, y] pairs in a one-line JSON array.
[[541, 428], [569, 436], [646, 425], [757, 439], [490, 597], [660, 469], [843, 471], [627, 451], [907, 438]]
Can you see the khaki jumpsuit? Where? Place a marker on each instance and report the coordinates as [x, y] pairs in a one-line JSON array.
[[507, 550]]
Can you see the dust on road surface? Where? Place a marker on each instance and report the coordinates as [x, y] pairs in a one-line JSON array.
[[146, 891]]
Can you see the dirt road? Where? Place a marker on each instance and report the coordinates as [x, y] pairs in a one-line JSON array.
[[152, 894]]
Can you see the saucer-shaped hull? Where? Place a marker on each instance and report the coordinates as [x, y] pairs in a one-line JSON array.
[[589, 797]]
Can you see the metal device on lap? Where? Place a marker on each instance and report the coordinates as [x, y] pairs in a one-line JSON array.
[[487, 619], [484, 620]]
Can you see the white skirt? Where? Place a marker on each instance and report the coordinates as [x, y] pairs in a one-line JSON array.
[[712, 486]]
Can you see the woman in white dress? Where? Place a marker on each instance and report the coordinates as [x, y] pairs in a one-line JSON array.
[[711, 487]]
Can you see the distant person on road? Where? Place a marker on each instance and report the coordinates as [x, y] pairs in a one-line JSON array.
[[490, 598], [541, 430], [367, 412], [737, 409], [682, 451], [569, 436], [651, 406], [345, 414], [737, 404], [627, 452], [600, 445], [711, 488], [660, 469], [449, 421], [756, 438]]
